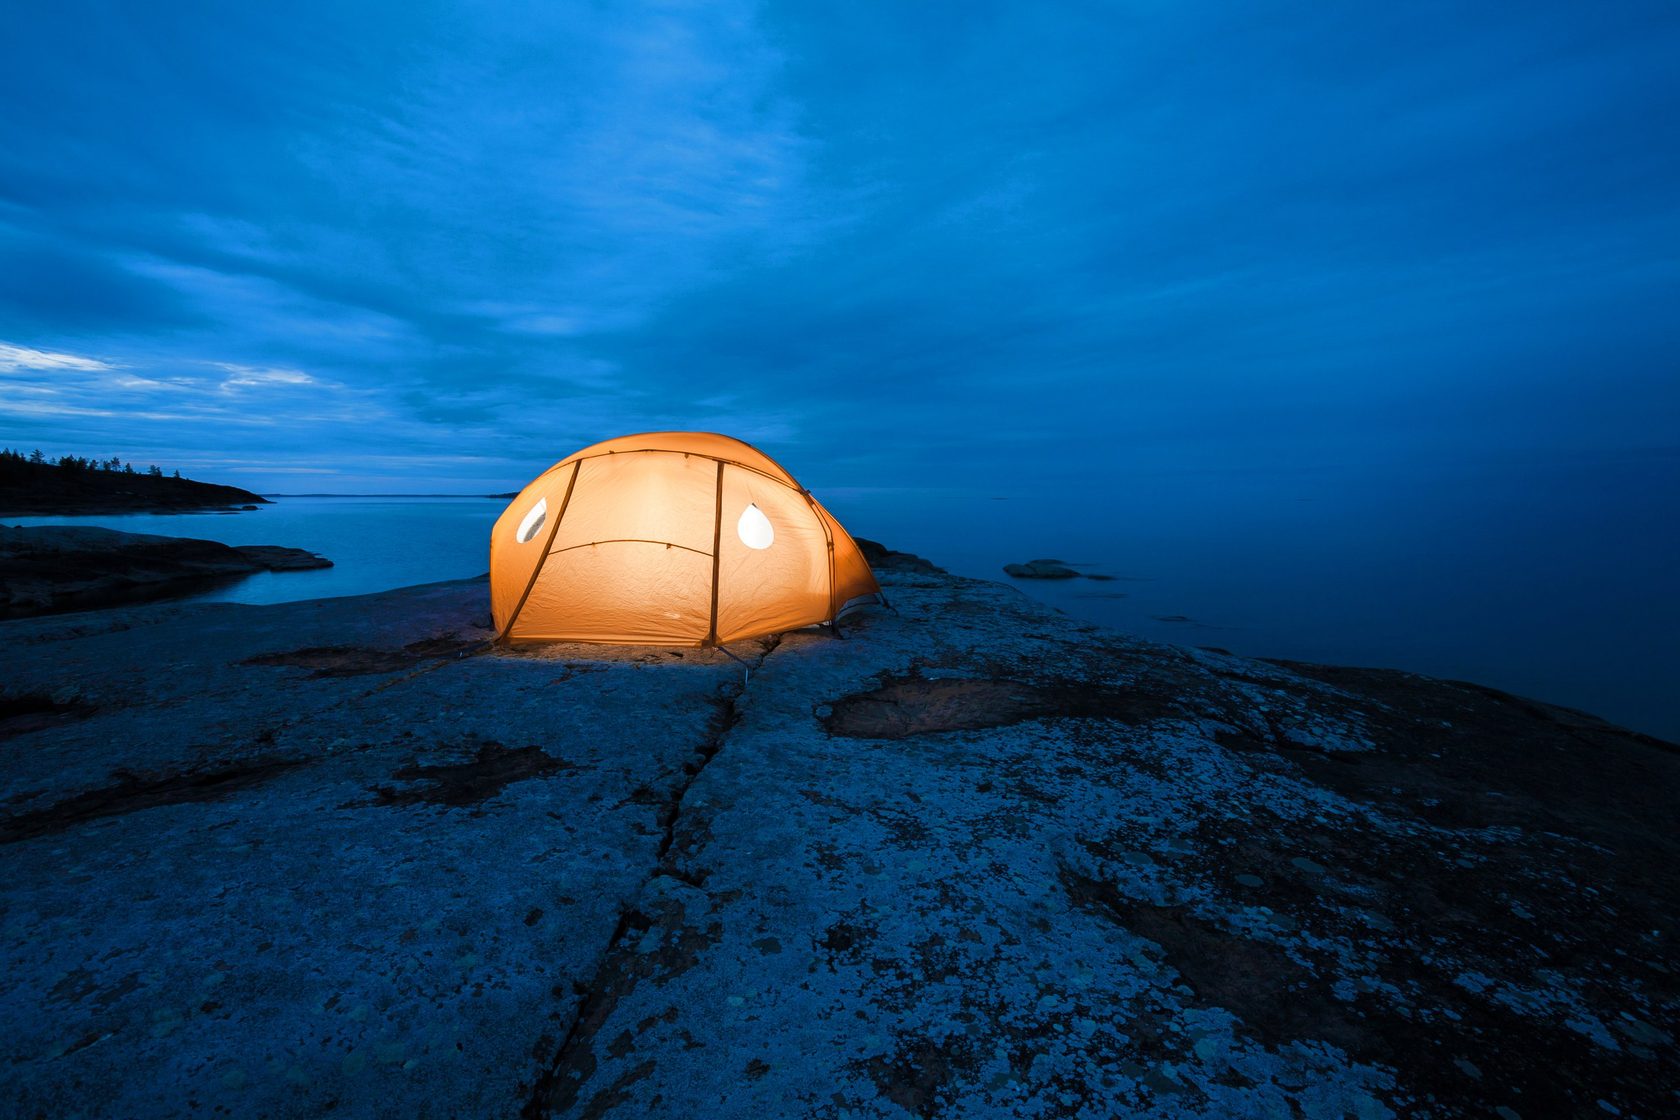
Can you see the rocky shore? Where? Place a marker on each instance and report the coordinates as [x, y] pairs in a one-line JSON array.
[[48, 569], [973, 860]]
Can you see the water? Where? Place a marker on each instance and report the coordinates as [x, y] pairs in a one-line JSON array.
[[1555, 583], [375, 543]]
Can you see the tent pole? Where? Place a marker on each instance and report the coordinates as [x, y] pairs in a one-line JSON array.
[[717, 555], [543, 559]]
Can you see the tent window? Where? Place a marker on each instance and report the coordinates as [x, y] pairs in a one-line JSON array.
[[754, 528], [533, 521]]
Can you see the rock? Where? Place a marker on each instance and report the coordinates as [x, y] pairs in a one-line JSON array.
[[1041, 569], [277, 559], [1053, 569], [883, 559], [48, 569], [976, 859]]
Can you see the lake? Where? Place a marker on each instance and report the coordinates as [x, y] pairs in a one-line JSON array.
[[1558, 585]]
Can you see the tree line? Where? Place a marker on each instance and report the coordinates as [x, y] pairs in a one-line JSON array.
[[10, 459]]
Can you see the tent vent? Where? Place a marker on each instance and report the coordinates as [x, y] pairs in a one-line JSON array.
[[754, 528], [533, 521]]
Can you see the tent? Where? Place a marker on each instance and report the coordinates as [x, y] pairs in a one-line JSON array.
[[671, 539]]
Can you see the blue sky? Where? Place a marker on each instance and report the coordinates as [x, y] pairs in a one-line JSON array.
[[418, 247]]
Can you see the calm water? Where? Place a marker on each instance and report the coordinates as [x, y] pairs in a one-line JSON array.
[[1557, 584], [375, 543]]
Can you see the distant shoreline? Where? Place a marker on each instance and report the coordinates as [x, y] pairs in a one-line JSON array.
[[10, 507], [74, 488]]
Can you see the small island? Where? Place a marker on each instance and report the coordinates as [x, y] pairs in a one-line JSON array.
[[34, 485]]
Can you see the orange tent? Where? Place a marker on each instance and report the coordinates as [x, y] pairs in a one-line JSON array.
[[670, 539]]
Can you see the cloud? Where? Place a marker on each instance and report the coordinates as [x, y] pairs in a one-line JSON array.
[[143, 388], [246, 377], [873, 239], [14, 359]]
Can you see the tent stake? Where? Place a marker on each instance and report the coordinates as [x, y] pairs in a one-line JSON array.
[[746, 667]]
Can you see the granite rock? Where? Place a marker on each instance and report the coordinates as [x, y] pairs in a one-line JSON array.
[[974, 860]]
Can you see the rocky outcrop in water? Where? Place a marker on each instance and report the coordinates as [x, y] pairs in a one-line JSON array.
[[47, 569], [1049, 569], [1040, 569], [975, 860]]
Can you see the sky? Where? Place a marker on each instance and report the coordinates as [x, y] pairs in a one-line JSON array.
[[418, 247]]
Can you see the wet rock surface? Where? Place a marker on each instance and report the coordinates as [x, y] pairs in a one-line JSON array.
[[974, 860], [49, 569]]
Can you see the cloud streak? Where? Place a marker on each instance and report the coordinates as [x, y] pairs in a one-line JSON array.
[[16, 359]]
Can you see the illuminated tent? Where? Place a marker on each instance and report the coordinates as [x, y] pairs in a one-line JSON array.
[[671, 539]]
